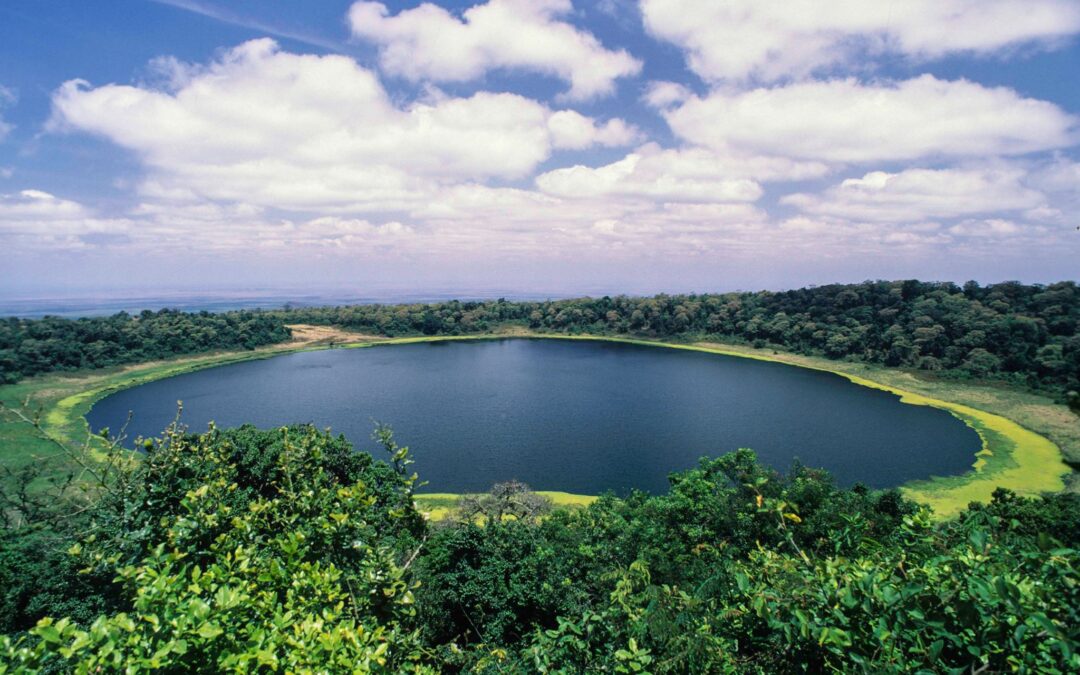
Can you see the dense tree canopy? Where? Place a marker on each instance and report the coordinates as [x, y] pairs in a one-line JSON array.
[[283, 550], [29, 346]]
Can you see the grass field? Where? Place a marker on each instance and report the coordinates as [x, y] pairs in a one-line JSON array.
[[1024, 435], [439, 505]]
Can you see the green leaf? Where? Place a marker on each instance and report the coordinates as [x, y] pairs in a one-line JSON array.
[[47, 632]]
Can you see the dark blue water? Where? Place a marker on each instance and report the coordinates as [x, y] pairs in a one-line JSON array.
[[582, 417]]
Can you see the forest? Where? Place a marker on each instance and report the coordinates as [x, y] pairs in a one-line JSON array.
[[1022, 335], [34, 346], [286, 551]]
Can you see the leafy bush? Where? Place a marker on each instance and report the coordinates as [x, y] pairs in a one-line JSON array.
[[296, 575]]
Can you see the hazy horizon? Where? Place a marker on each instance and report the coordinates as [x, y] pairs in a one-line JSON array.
[[75, 303]]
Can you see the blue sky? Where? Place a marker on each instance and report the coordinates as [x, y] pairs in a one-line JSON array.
[[536, 145]]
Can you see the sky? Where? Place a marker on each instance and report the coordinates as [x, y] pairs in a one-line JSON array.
[[540, 146]]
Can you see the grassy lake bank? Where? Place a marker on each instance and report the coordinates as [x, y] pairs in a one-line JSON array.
[[1023, 435]]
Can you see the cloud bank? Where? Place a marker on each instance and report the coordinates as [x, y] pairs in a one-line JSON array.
[[789, 144]]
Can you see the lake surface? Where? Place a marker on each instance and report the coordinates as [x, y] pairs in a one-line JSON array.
[[581, 417]]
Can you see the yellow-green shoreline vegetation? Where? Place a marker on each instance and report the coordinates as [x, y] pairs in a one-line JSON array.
[[1012, 456], [439, 505], [61, 400], [1018, 430]]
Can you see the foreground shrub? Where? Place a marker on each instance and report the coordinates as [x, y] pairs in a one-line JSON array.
[[286, 551], [295, 578]]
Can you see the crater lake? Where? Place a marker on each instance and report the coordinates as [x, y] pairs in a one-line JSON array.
[[577, 416]]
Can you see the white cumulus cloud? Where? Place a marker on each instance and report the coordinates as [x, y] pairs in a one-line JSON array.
[[992, 227], [271, 128], [689, 174], [38, 220], [769, 41], [913, 195], [572, 130], [1060, 175], [428, 43], [37, 204], [662, 95], [848, 121]]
